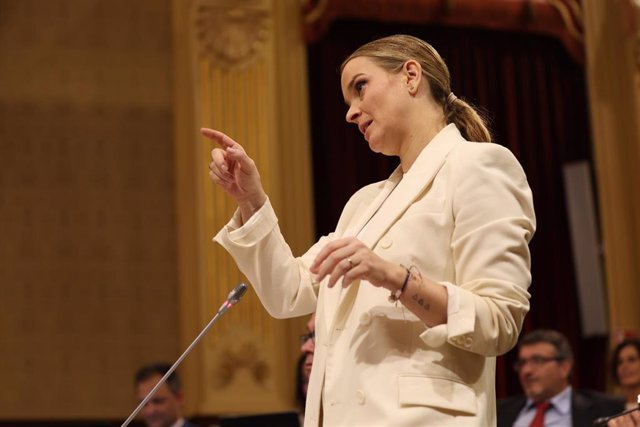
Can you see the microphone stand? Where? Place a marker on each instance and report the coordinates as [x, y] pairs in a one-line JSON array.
[[232, 299]]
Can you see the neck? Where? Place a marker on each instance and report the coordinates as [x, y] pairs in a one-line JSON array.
[[416, 141], [549, 395]]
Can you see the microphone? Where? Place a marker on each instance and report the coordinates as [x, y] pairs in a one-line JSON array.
[[232, 299]]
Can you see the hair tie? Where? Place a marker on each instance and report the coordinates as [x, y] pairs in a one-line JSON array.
[[451, 98]]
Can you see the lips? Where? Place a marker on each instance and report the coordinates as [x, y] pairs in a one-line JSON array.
[[363, 127]]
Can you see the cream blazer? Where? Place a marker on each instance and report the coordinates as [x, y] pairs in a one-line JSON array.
[[463, 215]]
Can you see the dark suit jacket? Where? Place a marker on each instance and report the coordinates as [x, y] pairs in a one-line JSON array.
[[586, 406]]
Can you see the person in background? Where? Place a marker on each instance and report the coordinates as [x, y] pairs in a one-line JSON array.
[[424, 280], [305, 362], [626, 370], [164, 409], [544, 364]]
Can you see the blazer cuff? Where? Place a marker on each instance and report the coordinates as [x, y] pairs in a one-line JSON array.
[[255, 229], [460, 321]]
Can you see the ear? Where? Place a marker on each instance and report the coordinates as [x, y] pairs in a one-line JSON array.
[[412, 71], [566, 366]]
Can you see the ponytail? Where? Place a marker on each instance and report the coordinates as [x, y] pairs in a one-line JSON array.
[[471, 123]]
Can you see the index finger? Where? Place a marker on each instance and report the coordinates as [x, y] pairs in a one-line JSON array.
[[221, 138]]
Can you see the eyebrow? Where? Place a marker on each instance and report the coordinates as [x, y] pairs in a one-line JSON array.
[[353, 79]]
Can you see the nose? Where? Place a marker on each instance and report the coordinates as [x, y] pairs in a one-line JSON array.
[[148, 409], [526, 369], [353, 113], [308, 346]]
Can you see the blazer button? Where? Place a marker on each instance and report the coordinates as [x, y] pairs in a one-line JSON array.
[[360, 396], [385, 242], [365, 319], [468, 341]]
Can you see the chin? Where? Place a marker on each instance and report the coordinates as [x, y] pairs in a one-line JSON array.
[[376, 147]]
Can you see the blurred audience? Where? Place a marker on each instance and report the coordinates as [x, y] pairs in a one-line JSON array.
[[302, 382], [164, 409], [626, 370], [307, 347], [544, 365]]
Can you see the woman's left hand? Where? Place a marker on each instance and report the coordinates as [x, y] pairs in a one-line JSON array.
[[631, 419], [350, 259]]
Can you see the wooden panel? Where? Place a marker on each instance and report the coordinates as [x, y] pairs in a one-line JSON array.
[[613, 69], [234, 68], [87, 256]]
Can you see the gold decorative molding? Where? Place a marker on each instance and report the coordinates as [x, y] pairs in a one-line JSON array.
[[232, 33], [614, 101], [562, 19], [243, 356], [240, 67], [571, 14], [313, 12]]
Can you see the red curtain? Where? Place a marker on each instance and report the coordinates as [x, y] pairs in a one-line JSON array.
[[535, 95]]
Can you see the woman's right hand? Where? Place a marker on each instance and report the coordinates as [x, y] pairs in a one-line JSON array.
[[233, 170]]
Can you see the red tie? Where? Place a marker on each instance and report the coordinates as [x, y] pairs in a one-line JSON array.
[[538, 420]]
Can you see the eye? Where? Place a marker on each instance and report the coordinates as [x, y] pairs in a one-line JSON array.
[[359, 86]]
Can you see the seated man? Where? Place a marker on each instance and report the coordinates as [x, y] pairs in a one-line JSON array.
[[544, 367], [307, 348], [164, 409]]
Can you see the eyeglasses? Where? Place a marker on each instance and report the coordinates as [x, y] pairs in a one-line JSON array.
[[308, 336], [536, 361]]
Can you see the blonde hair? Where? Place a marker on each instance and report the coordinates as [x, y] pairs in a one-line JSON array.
[[392, 52]]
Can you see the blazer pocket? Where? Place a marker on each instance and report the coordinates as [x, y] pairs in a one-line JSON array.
[[436, 392]]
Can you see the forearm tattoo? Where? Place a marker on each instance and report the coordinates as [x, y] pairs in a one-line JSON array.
[[415, 275], [421, 302]]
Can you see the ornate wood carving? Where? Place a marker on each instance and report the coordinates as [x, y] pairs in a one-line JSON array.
[[232, 32], [240, 69], [558, 18]]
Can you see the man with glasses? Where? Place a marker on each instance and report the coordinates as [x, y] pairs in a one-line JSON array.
[[308, 346], [544, 367]]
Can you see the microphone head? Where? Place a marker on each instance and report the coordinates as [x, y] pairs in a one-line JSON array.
[[237, 293]]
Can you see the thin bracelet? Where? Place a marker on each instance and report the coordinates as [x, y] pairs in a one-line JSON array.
[[395, 296]]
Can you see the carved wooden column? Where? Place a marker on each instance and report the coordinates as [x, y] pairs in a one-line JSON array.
[[613, 68], [240, 68]]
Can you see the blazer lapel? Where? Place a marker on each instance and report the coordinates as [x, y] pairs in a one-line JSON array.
[[412, 185], [332, 296], [397, 194]]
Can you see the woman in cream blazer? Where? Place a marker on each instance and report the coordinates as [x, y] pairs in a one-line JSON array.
[[424, 280]]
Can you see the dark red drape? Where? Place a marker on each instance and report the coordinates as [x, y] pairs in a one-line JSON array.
[[536, 98]]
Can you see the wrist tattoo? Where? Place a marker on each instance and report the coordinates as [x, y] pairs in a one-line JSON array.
[[421, 302], [415, 274]]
